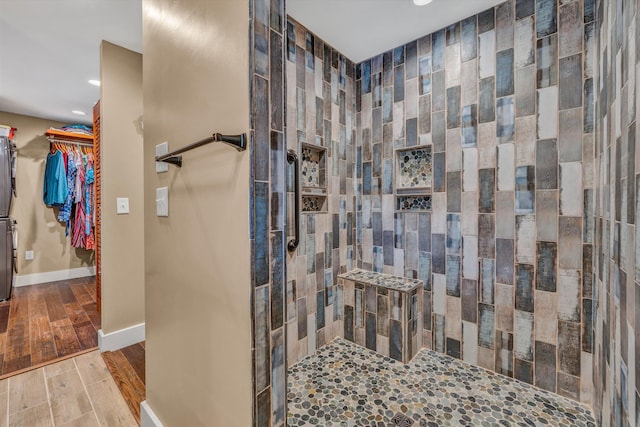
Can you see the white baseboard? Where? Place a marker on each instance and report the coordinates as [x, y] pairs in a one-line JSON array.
[[53, 276], [148, 418], [119, 339]]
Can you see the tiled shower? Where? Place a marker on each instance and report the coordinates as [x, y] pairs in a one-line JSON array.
[[493, 160]]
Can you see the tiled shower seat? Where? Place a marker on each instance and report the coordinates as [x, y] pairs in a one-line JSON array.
[[383, 313]]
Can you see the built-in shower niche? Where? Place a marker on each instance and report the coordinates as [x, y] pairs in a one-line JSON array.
[[313, 179], [414, 178]]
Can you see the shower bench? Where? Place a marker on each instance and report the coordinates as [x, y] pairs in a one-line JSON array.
[[383, 313]]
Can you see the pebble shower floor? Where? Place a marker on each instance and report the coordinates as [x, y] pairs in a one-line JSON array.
[[343, 384]]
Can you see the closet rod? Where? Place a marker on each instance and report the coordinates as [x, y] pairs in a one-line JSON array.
[[64, 141], [239, 142]]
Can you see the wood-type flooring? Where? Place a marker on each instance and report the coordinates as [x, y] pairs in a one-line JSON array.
[[127, 369], [47, 322]]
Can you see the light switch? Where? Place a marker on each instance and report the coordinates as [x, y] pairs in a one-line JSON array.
[[122, 204], [162, 201], [162, 149]]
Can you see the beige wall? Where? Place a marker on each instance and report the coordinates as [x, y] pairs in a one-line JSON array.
[[122, 236], [198, 327], [38, 227]]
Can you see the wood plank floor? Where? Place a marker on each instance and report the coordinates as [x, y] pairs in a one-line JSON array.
[[47, 322], [127, 369]]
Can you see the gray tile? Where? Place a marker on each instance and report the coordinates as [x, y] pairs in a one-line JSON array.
[[570, 243], [453, 107], [486, 236], [547, 215], [469, 300], [504, 261], [546, 271], [569, 347], [571, 82], [545, 366], [487, 112], [546, 165], [570, 135], [487, 190]]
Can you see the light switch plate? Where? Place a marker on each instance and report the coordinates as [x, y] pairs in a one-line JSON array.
[[122, 205], [162, 201], [28, 255], [162, 149]]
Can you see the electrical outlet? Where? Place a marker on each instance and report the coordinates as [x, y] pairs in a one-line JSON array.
[[122, 205], [28, 255]]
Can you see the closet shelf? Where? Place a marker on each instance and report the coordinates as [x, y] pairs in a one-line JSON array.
[[71, 136]]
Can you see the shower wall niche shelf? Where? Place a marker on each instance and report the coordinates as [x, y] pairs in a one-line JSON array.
[[313, 178], [414, 178]]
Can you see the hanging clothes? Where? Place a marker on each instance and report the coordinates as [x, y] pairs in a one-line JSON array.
[[65, 211], [55, 180]]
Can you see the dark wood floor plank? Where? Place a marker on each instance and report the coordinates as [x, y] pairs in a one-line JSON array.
[[66, 294], [55, 307], [42, 323], [65, 337], [93, 314], [87, 334], [76, 313], [41, 340], [91, 289], [131, 387], [4, 318], [17, 364], [135, 357], [80, 292]]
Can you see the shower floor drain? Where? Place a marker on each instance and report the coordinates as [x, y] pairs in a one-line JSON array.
[[401, 420]]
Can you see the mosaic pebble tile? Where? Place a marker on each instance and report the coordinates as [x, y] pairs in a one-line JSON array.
[[388, 281], [415, 168], [343, 384], [414, 203]]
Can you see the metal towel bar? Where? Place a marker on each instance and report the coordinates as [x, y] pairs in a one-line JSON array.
[[292, 244], [239, 142]]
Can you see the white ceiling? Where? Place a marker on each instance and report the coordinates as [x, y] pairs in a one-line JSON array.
[[361, 29], [49, 49]]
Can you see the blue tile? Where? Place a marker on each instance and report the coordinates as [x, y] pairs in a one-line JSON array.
[[546, 17], [469, 39], [437, 49], [277, 280], [453, 275], [425, 75], [378, 259], [411, 60], [309, 52], [366, 77], [398, 83], [525, 190], [398, 56], [505, 126], [504, 73], [488, 267], [261, 233], [320, 310], [454, 236], [469, 126]]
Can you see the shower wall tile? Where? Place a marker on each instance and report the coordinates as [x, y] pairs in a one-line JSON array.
[[506, 101], [325, 91]]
